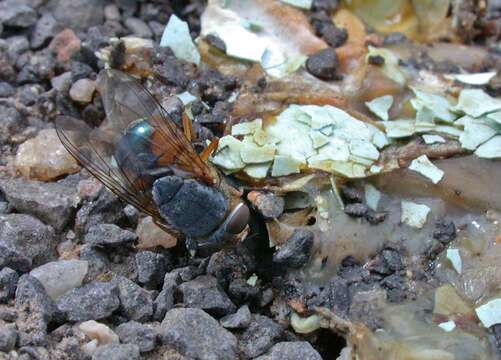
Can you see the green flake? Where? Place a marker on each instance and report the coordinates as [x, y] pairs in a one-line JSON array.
[[364, 149], [246, 128], [303, 4], [399, 128], [476, 132], [227, 154], [257, 171], [177, 37], [318, 138], [372, 196], [432, 139], [490, 313], [437, 104], [475, 79], [491, 149], [380, 106], [476, 102], [414, 214], [425, 167], [284, 165], [254, 154], [455, 259]]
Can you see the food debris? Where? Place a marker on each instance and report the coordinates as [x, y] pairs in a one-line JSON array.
[[425, 167], [177, 37], [490, 313], [447, 326], [476, 102], [432, 139], [491, 149], [372, 196], [414, 214], [380, 106], [475, 79], [305, 325], [455, 258], [303, 4]]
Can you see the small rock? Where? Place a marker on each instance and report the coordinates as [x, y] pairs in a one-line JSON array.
[[44, 157], [97, 260], [375, 217], [78, 14], [44, 30], [65, 44], [138, 27], [8, 284], [53, 203], [89, 189], [356, 210], [396, 287], [83, 90], [204, 293], [260, 336], [27, 237], [445, 231], [386, 262], [136, 303], [151, 267], [352, 194], [109, 235], [296, 251], [151, 235], [239, 320], [80, 70], [8, 337], [323, 64], [59, 277], [240, 291], [6, 90], [100, 332], [339, 296], [165, 299], [111, 12], [267, 204], [138, 334], [31, 296], [93, 301], [229, 264], [11, 124], [117, 352], [295, 350], [376, 60], [62, 83], [196, 335], [18, 45], [368, 307], [8, 314], [17, 14]]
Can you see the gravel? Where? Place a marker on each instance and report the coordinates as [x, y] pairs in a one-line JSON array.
[[45, 29], [8, 284], [151, 268], [195, 334], [8, 337], [17, 14], [136, 303], [132, 332], [165, 299], [294, 350], [117, 352], [109, 235], [323, 64], [239, 320], [296, 251], [260, 336]]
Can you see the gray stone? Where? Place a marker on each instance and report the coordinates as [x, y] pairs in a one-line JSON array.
[[368, 307], [78, 14], [18, 45], [165, 299], [8, 337], [267, 204], [59, 277], [62, 83], [25, 239], [294, 350], [45, 29], [109, 235], [151, 268], [97, 260], [196, 335], [205, 293], [132, 332], [261, 334], [136, 303], [93, 301], [12, 122], [53, 203], [138, 27], [17, 13], [8, 283], [323, 64], [82, 91], [239, 320], [6, 89], [111, 12], [117, 352], [296, 251]]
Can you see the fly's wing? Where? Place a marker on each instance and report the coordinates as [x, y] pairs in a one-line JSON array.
[[127, 101]]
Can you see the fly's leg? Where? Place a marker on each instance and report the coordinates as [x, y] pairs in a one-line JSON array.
[[191, 245]]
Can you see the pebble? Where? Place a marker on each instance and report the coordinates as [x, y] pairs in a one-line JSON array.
[[267, 204], [78, 14], [44, 158], [151, 268], [260, 336], [6, 89], [445, 231], [18, 45], [356, 210], [294, 350], [45, 29], [138, 27], [205, 293], [111, 12], [323, 64], [150, 235], [8, 337], [352, 194], [8, 284], [27, 237], [136, 303], [94, 301], [65, 44], [59, 277], [62, 83], [12, 122], [339, 295], [368, 306], [53, 203], [117, 352], [132, 332], [83, 90], [109, 235], [80, 70], [386, 262], [17, 13], [239, 320], [165, 299], [100, 332], [32, 297], [197, 335], [296, 251]]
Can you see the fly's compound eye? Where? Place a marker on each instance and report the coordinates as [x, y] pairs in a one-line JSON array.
[[238, 219]]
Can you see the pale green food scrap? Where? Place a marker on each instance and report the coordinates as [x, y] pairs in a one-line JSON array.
[[254, 154], [476, 102], [439, 105], [360, 160], [252, 280], [490, 313], [348, 169], [414, 214], [425, 167], [227, 154], [476, 132], [375, 169], [372, 196], [391, 67], [318, 138], [278, 64], [448, 130], [262, 138], [336, 149], [447, 326], [285, 165], [177, 37], [247, 128], [258, 171], [399, 128], [495, 117], [475, 79], [186, 98], [432, 139], [455, 259], [380, 106], [364, 149], [491, 149], [241, 43], [305, 325], [303, 4]]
